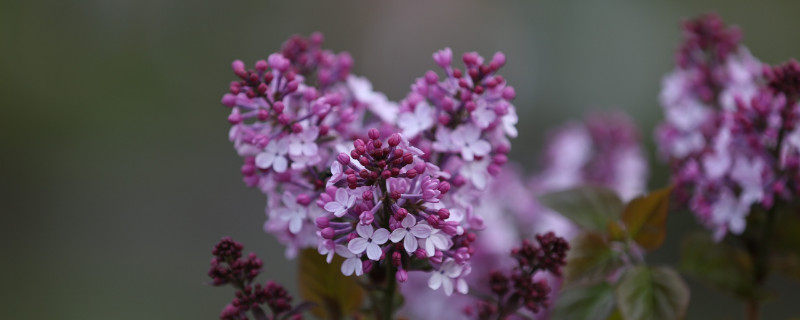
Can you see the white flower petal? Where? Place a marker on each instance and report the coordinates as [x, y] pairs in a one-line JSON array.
[[365, 231], [357, 245], [380, 236], [410, 244], [447, 283], [421, 231], [280, 164], [435, 281], [409, 221], [264, 160], [398, 235], [373, 251]]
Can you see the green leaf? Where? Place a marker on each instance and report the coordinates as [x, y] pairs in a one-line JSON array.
[[652, 293], [335, 294], [590, 258], [589, 207], [719, 265], [585, 302], [645, 219]]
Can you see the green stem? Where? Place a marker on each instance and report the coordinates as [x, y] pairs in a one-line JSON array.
[[391, 287], [760, 256]]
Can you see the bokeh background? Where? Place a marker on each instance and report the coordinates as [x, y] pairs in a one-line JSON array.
[[117, 176]]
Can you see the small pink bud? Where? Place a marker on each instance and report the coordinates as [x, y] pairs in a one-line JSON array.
[[509, 93], [444, 187], [283, 119], [328, 233], [235, 118], [303, 199], [401, 276], [431, 77], [394, 140], [374, 134], [263, 114], [343, 159], [322, 222], [261, 65], [229, 100], [278, 107]]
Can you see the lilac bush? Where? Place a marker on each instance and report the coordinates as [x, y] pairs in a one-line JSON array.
[[412, 209]]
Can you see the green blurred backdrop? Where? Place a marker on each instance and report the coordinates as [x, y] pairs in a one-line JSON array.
[[117, 176]]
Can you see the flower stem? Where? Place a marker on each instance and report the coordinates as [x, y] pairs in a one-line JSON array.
[[391, 287], [761, 270]]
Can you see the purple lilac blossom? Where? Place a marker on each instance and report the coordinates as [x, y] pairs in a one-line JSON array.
[[462, 121], [602, 150], [382, 201], [729, 124], [290, 115], [384, 204]]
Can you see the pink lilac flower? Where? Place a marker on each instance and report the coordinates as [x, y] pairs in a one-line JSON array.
[[352, 264], [274, 156], [293, 212], [413, 123], [386, 191], [449, 277], [369, 241], [289, 114], [410, 232], [603, 150], [729, 121], [462, 120], [341, 203]]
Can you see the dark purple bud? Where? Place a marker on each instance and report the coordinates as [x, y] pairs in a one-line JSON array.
[[374, 134], [394, 140], [343, 159], [261, 65], [278, 107]]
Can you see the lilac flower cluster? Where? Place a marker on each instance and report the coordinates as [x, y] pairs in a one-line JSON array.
[[603, 150], [383, 204], [409, 199], [462, 121], [730, 131], [518, 288], [289, 115], [228, 267]]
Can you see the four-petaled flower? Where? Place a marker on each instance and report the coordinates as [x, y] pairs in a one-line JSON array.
[[352, 263], [467, 140], [444, 277], [420, 120], [342, 202], [369, 241], [410, 230], [274, 156], [292, 212], [437, 240], [303, 143]]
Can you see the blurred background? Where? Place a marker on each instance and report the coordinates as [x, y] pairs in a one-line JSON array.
[[117, 178]]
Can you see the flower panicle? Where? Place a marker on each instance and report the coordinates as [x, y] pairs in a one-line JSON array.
[[229, 267]]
